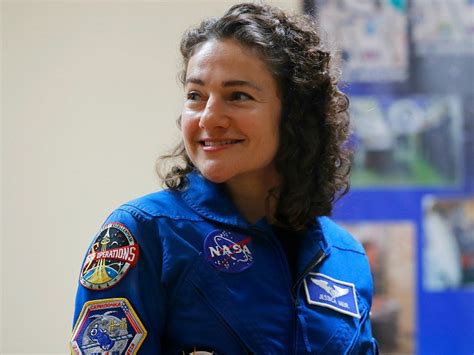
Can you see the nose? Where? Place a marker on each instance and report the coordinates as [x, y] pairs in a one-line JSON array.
[[214, 114]]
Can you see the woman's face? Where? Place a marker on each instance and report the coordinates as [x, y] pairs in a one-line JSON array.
[[231, 113]]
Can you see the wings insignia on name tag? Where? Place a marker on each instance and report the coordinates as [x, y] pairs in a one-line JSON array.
[[326, 291]]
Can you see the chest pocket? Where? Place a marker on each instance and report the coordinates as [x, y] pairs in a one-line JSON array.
[[332, 332], [205, 314]]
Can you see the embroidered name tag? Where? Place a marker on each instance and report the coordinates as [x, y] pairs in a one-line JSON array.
[[107, 326], [327, 292]]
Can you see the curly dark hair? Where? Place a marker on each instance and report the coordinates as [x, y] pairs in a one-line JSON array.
[[312, 158]]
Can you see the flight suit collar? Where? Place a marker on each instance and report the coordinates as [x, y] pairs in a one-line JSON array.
[[212, 201], [313, 249]]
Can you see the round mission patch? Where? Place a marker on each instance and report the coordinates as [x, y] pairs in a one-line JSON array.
[[111, 255], [228, 251]]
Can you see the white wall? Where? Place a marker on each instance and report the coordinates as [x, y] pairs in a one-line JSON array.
[[90, 97]]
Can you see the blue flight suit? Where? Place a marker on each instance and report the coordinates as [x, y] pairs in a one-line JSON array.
[[204, 279]]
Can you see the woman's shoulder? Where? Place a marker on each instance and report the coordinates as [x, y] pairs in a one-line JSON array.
[[338, 237], [165, 203], [347, 260], [144, 216]]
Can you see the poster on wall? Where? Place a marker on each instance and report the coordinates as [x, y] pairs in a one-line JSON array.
[[402, 141], [448, 253], [371, 36], [443, 27], [409, 66], [390, 248]]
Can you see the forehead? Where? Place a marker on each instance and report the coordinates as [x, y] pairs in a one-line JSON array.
[[227, 57]]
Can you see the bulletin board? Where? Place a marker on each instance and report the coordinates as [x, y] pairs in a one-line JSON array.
[[408, 69]]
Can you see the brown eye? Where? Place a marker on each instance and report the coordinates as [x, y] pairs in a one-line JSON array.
[[240, 96], [193, 96]]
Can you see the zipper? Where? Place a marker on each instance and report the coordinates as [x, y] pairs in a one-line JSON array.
[[223, 321], [293, 288], [280, 252], [286, 269], [296, 300], [314, 262]]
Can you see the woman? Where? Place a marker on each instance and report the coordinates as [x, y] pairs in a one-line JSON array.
[[235, 256]]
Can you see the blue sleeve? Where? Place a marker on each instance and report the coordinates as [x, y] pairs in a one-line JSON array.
[[368, 344], [120, 301]]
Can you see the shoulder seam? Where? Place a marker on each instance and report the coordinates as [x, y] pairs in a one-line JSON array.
[[158, 215], [347, 249]]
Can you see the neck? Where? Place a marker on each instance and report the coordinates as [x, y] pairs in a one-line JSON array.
[[250, 195]]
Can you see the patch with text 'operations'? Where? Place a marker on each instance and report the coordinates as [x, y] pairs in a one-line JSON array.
[[107, 326], [228, 251], [325, 291], [110, 256]]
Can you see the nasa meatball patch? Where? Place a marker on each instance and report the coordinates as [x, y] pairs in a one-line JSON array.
[[228, 251], [109, 258], [326, 291], [107, 326]]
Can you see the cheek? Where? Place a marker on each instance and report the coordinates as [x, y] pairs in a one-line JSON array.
[[273, 130], [187, 130], [274, 140], [267, 141]]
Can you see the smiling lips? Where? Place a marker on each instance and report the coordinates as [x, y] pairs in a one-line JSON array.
[[213, 145]]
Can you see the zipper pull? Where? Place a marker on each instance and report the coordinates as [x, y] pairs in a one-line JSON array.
[[316, 261]]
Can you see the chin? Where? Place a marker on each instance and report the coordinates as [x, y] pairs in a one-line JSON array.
[[215, 176], [213, 171]]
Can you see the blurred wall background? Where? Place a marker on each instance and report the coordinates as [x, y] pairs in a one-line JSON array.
[[408, 68], [90, 96]]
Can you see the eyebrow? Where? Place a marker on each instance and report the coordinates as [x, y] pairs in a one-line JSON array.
[[228, 83]]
